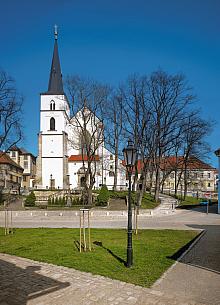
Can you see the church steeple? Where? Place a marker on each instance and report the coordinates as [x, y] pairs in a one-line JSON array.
[[55, 82]]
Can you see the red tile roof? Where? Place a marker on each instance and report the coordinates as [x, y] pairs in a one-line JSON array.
[[80, 158], [170, 163], [5, 159]]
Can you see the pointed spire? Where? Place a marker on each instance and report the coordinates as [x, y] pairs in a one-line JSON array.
[[55, 82]]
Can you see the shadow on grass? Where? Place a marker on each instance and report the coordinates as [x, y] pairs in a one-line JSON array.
[[205, 252], [177, 255], [76, 243], [99, 243]]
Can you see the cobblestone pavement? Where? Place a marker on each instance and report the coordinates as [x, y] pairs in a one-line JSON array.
[[23, 281]]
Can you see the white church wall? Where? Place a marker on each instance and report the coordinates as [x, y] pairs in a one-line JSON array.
[[52, 166], [60, 121], [52, 146], [59, 100]]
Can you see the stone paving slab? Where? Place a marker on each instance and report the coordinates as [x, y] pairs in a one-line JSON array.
[[23, 281], [197, 274]]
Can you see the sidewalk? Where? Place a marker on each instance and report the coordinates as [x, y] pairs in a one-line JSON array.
[[23, 281], [197, 274]]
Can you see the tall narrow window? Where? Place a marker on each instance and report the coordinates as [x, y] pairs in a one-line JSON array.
[[52, 124], [52, 105]]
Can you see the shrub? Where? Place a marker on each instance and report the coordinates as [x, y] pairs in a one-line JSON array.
[[30, 200], [103, 196]]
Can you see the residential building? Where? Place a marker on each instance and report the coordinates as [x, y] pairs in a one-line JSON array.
[[28, 162], [200, 176], [10, 174]]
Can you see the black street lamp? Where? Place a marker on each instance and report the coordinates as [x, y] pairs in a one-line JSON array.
[[130, 158], [51, 178]]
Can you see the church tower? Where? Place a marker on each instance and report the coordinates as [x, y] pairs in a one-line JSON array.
[[52, 161]]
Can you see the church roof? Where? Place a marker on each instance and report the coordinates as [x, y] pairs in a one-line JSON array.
[[80, 158], [55, 85]]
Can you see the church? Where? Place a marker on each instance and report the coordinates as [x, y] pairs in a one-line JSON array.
[[62, 161]]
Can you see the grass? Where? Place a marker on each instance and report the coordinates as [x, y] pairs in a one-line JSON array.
[[152, 251], [148, 201], [192, 201]]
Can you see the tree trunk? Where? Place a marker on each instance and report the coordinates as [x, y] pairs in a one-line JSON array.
[[157, 185], [89, 194], [116, 167], [141, 191], [185, 184]]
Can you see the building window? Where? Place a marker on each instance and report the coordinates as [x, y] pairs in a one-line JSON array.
[[25, 164], [52, 105], [24, 178], [25, 157], [209, 175], [111, 174], [209, 184], [111, 167], [111, 157], [52, 124], [13, 154], [201, 175], [172, 176]]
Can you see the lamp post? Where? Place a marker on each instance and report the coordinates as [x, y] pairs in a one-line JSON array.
[[68, 203], [217, 152], [51, 178], [130, 159]]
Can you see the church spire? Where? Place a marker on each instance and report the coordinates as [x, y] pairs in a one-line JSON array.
[[55, 82]]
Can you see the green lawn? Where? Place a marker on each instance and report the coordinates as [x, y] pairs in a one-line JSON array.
[[152, 249], [192, 201]]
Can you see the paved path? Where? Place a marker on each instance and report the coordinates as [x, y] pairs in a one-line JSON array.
[[193, 280], [197, 275], [24, 281], [181, 219]]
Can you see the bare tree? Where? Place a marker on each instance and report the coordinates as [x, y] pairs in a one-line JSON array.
[[194, 145], [113, 118], [87, 97], [169, 97], [10, 112]]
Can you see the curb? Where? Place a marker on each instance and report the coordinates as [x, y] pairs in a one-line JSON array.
[[191, 245]]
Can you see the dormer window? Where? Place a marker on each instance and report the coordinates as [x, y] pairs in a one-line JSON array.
[[52, 105], [52, 124]]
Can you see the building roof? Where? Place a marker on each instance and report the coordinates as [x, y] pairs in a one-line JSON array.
[[5, 159], [21, 150], [15, 148], [55, 85], [170, 163], [192, 164], [80, 158]]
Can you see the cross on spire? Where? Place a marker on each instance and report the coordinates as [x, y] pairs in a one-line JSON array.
[[55, 31]]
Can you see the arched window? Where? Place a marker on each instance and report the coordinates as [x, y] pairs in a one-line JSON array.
[[52, 124], [52, 105]]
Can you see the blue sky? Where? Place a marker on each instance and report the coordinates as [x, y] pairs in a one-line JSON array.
[[107, 41]]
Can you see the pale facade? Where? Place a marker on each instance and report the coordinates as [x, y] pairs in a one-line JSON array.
[[28, 162]]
